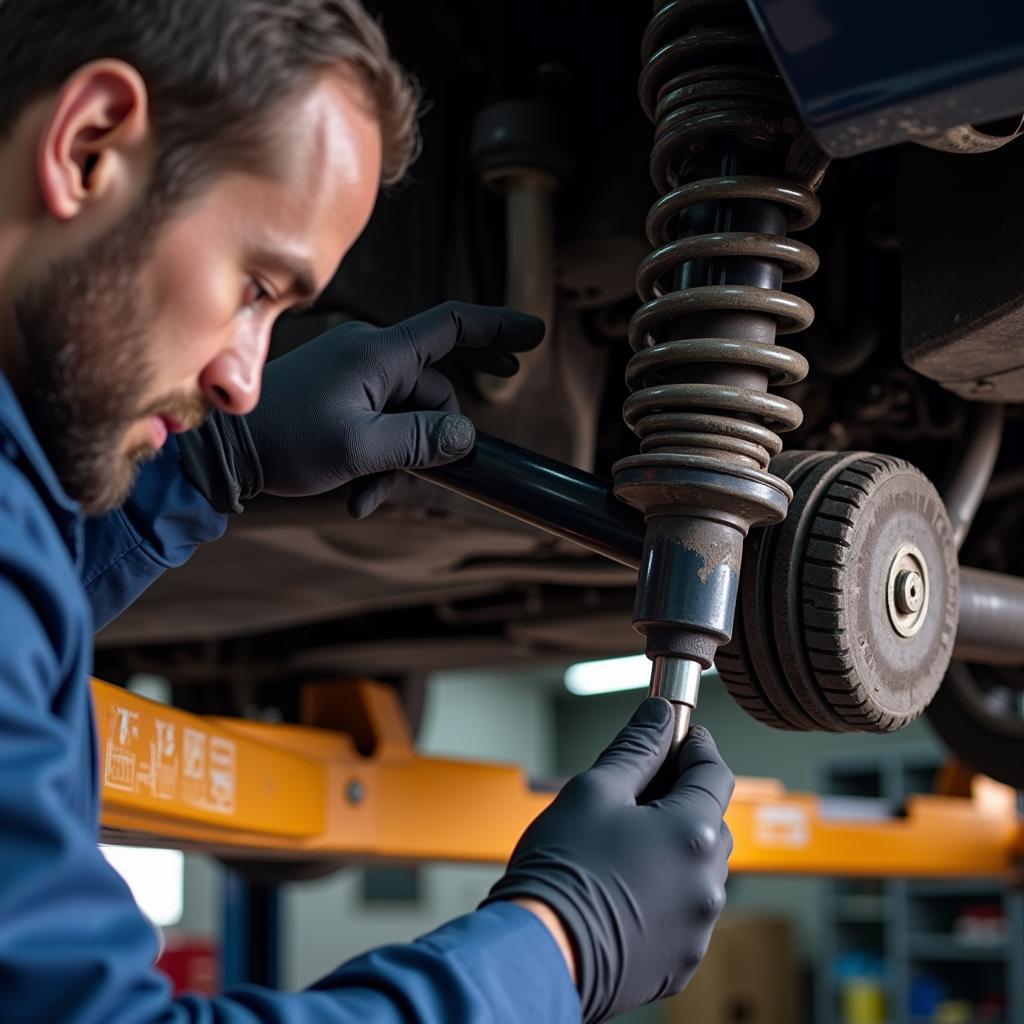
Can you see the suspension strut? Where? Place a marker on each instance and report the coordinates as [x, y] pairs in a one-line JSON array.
[[704, 337]]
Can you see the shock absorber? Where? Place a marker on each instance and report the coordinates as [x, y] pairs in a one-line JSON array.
[[704, 337]]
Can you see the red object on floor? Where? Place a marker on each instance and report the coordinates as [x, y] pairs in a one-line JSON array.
[[190, 961]]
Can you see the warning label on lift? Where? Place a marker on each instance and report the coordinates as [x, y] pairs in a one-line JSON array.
[[159, 760], [778, 825]]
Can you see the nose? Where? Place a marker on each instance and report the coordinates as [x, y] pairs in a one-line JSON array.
[[231, 380]]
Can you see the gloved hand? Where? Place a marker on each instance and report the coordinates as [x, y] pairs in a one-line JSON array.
[[638, 886], [355, 404]]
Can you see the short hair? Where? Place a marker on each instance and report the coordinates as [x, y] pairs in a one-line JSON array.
[[216, 71]]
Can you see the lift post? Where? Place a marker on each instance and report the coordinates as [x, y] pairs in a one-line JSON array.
[[352, 787]]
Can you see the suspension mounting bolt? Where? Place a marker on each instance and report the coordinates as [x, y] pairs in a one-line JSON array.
[[909, 591]]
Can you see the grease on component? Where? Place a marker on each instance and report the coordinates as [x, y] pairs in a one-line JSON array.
[[707, 545], [924, 73], [969, 138]]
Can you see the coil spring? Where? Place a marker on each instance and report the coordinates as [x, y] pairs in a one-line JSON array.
[[703, 79]]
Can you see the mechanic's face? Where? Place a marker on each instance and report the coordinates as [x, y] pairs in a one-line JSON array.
[[139, 332]]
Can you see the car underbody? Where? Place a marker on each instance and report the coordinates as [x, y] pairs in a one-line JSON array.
[[533, 189]]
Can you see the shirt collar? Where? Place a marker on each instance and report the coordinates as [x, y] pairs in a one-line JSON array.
[[20, 446]]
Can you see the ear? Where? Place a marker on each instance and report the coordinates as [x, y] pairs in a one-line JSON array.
[[94, 138]]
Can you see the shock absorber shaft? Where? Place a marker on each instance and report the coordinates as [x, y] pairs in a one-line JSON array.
[[704, 338]]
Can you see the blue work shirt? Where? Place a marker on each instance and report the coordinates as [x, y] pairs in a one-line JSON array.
[[73, 944]]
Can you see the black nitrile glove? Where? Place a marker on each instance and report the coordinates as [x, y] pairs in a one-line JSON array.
[[355, 404], [638, 886]]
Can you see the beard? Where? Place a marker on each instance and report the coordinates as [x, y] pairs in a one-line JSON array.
[[87, 363]]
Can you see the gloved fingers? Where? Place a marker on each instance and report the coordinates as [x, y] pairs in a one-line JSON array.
[[433, 390], [726, 846], [461, 325], [703, 776], [394, 358], [629, 763], [407, 440], [494, 361], [368, 493], [496, 327]]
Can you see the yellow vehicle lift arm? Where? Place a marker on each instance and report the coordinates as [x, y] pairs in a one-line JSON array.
[[353, 788]]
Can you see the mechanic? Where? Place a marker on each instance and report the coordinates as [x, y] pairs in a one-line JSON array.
[[176, 174]]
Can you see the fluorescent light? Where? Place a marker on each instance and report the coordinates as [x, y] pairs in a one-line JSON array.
[[156, 879], [587, 678]]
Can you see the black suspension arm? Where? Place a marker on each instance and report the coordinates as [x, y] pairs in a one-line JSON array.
[[550, 495], [581, 508]]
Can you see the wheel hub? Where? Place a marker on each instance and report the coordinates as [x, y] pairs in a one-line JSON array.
[[848, 609], [907, 590]]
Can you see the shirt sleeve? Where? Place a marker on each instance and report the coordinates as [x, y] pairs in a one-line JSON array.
[[499, 965], [164, 520]]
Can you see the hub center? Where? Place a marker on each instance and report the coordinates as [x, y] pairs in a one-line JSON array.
[[907, 590]]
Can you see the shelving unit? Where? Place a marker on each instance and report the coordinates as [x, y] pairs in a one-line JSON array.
[[902, 934]]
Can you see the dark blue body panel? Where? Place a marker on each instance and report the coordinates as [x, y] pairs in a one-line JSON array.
[[873, 73]]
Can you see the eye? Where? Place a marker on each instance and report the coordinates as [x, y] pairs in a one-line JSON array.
[[256, 294]]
